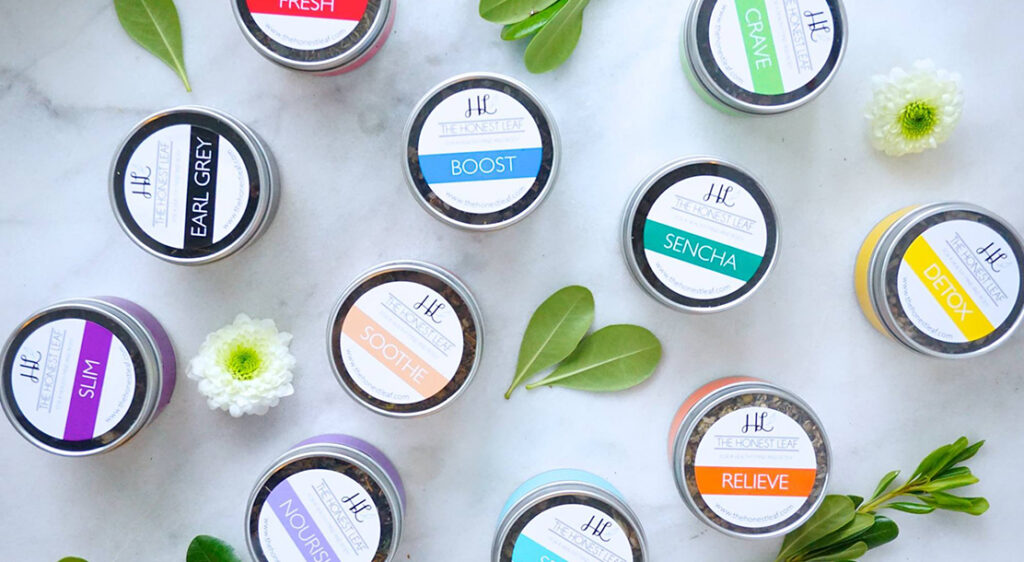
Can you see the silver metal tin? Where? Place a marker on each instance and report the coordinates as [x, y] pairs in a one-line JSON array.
[[720, 392], [528, 203], [340, 453], [702, 67], [349, 53], [577, 489], [888, 254], [644, 197], [437, 279], [152, 358], [260, 167]]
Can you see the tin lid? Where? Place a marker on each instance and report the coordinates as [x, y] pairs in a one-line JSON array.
[[313, 35], [192, 185], [571, 521], [481, 151], [79, 378], [946, 280], [405, 338], [324, 501], [765, 56], [700, 235], [751, 459]]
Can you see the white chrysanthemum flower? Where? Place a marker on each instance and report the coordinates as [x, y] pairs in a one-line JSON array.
[[245, 367], [916, 110]]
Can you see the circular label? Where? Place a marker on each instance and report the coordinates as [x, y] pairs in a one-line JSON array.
[[319, 515], [480, 150], [959, 281], [572, 533], [186, 187], [705, 237], [307, 25], [402, 342], [755, 467], [73, 379]]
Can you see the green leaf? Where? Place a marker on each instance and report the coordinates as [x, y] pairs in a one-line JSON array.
[[613, 358], [861, 522], [511, 11], [857, 500], [205, 548], [554, 332], [533, 24], [910, 507], [852, 552], [942, 500], [884, 484], [154, 24], [968, 453], [935, 461], [71, 559], [883, 531], [948, 482], [834, 513], [953, 471], [553, 45]]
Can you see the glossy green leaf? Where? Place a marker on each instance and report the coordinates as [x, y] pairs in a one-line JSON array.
[[531, 25], [857, 500], [154, 24], [883, 531], [953, 471], [861, 522], [910, 507], [940, 459], [949, 482], [834, 513], [554, 332], [511, 11], [613, 358], [851, 552], [884, 484], [205, 548], [968, 453], [554, 44], [942, 500]]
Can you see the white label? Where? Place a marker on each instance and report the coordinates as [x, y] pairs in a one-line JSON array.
[[480, 150], [169, 164], [572, 533], [319, 516], [771, 47], [755, 467], [73, 379], [402, 342], [959, 281], [705, 237]]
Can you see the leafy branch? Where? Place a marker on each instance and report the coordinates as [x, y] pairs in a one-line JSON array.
[[846, 527], [555, 27]]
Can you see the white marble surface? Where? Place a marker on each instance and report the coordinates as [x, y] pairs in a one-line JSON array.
[[71, 84]]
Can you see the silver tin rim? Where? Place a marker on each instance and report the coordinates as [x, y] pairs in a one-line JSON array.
[[375, 34], [148, 348], [556, 148], [700, 409], [562, 488], [420, 267], [338, 451], [882, 254], [625, 229], [267, 169], [716, 92]]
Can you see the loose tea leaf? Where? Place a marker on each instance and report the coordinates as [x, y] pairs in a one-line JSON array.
[[511, 11], [154, 24], [554, 332], [555, 43], [205, 548], [531, 25], [864, 529], [613, 358]]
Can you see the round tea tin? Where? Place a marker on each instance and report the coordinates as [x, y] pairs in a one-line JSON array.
[[192, 185], [944, 279], [762, 56], [405, 339], [83, 376], [568, 516], [749, 458], [481, 152], [326, 37], [700, 235], [331, 497]]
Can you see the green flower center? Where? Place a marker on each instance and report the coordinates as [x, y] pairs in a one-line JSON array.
[[918, 119], [243, 362]]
